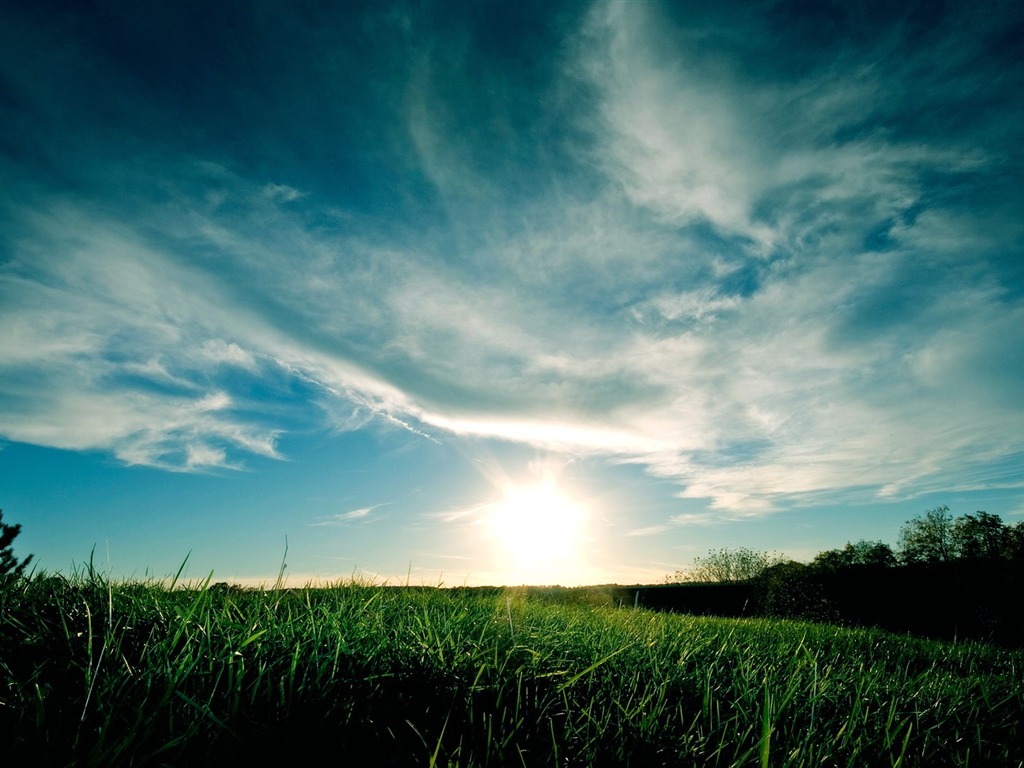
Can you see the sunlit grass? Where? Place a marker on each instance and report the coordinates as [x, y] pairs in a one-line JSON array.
[[97, 673]]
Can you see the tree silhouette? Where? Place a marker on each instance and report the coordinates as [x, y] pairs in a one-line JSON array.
[[928, 538], [981, 537], [876, 554], [10, 567], [730, 565]]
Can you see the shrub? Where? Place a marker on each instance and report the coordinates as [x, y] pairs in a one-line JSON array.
[[10, 566]]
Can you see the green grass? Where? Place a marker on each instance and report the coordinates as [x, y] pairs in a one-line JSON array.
[[98, 673]]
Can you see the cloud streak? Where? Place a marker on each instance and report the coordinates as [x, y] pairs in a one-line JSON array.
[[754, 269], [362, 514]]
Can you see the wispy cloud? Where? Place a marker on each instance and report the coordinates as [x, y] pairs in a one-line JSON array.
[[361, 514], [281, 193], [762, 275]]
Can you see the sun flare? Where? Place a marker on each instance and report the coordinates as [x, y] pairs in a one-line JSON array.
[[539, 531]]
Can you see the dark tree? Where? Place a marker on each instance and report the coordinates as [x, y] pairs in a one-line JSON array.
[[875, 554], [1015, 542], [981, 536], [832, 560], [928, 538], [9, 565]]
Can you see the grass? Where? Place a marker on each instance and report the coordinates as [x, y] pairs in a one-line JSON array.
[[100, 673]]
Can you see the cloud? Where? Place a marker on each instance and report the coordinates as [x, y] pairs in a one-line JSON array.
[[343, 518], [281, 193], [229, 353], [673, 141], [104, 353], [696, 518], [680, 241]]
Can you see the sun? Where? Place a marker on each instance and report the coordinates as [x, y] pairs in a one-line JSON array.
[[539, 532]]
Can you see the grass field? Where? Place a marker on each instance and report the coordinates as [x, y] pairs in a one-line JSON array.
[[107, 674]]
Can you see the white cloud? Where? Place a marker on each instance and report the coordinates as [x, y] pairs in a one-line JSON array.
[[677, 136], [342, 518], [748, 402], [697, 518], [197, 456], [281, 193], [698, 299], [699, 306], [223, 352]]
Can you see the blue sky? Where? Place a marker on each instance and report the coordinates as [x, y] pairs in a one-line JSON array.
[[504, 293]]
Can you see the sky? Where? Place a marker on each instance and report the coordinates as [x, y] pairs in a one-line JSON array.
[[504, 293]]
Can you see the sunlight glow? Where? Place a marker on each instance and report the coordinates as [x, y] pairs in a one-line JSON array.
[[539, 533]]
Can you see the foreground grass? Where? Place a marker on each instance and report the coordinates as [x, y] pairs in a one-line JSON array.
[[93, 673]]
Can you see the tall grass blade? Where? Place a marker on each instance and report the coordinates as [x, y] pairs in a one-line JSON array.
[[766, 728]]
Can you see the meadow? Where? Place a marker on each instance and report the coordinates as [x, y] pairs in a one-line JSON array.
[[96, 673]]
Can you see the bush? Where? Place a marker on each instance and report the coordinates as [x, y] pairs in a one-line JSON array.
[[10, 567]]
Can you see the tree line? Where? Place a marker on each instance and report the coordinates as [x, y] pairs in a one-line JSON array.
[[946, 577], [932, 538]]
